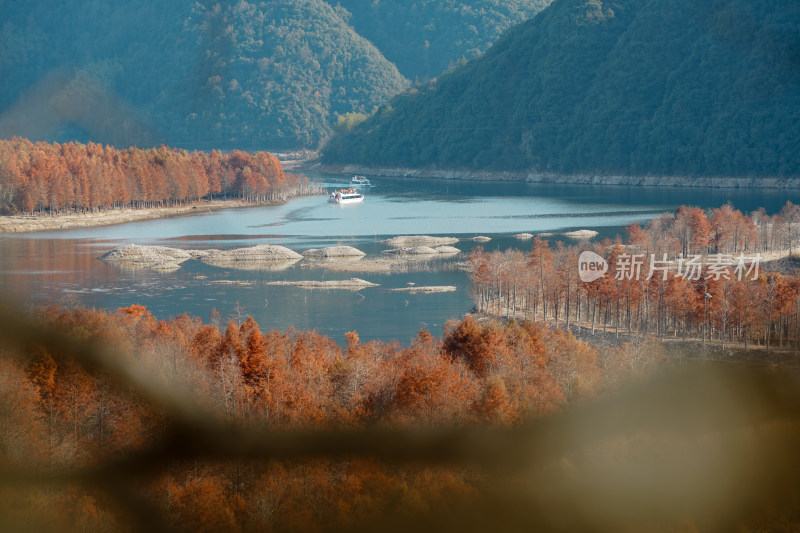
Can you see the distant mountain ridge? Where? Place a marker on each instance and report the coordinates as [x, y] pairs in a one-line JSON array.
[[207, 74], [425, 37], [631, 87]]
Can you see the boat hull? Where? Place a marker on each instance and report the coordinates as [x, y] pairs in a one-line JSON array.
[[360, 181], [347, 201], [346, 196]]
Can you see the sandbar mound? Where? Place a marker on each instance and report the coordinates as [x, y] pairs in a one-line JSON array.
[[160, 258], [335, 260], [333, 252], [430, 289], [419, 240], [581, 234], [163, 267], [481, 238], [350, 264], [524, 236], [386, 264], [350, 284], [263, 256], [165, 259], [265, 266], [414, 250], [447, 250]]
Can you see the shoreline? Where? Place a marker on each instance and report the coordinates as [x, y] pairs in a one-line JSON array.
[[109, 217], [47, 222], [570, 179]]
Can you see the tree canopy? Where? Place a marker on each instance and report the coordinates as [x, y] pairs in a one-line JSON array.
[[73, 176], [247, 75], [426, 37], [240, 75], [619, 86]]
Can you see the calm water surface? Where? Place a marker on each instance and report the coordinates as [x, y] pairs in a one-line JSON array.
[[61, 266]]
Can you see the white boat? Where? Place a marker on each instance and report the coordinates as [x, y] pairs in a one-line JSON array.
[[360, 181], [345, 196]]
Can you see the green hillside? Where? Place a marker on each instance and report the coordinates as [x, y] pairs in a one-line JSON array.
[[202, 75], [620, 86], [425, 37]]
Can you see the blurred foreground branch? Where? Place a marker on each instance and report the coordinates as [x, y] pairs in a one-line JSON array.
[[711, 443]]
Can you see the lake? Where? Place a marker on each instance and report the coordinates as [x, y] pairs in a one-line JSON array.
[[62, 266]]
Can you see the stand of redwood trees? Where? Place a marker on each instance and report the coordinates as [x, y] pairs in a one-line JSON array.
[[759, 303], [53, 178]]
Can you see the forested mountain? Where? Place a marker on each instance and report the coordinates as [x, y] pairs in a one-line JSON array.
[[246, 74], [673, 87], [424, 37], [192, 74]]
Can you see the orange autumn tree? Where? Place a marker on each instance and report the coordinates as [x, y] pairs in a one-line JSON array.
[[495, 373], [692, 229], [73, 176], [540, 260]]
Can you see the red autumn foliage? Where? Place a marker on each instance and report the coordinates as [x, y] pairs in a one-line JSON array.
[[688, 283], [56, 177], [65, 416]]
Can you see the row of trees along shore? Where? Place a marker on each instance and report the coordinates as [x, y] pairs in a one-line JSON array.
[[55, 178], [63, 418], [718, 275]]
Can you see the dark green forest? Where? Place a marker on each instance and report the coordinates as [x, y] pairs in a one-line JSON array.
[[426, 37], [673, 87], [206, 74], [192, 74]]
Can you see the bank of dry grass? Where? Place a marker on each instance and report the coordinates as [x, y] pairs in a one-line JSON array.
[[107, 217]]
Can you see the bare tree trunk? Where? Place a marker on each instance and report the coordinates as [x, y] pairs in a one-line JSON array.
[[515, 300], [616, 322], [796, 312], [745, 324], [566, 313]]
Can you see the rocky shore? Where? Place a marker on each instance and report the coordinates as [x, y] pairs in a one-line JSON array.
[[162, 258], [430, 289], [374, 265], [720, 182], [333, 252], [423, 250], [352, 284], [107, 217], [270, 257], [261, 257], [581, 234], [408, 241]]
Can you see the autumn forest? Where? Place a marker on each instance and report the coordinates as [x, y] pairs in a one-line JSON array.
[[53, 178], [718, 275], [181, 349], [540, 342], [63, 418]]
